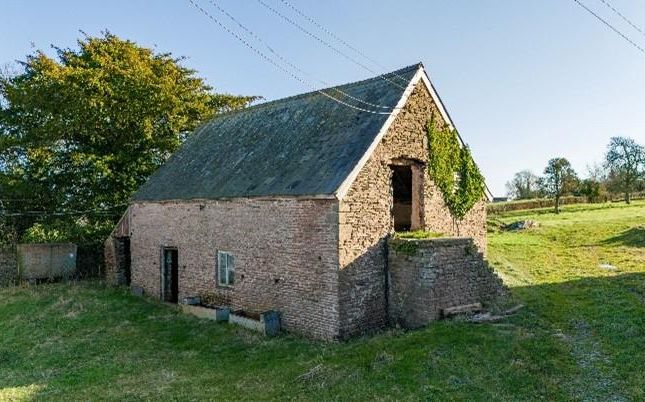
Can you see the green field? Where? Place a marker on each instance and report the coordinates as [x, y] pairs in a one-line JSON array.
[[581, 337]]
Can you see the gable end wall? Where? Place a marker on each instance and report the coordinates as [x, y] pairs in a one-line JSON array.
[[365, 216]]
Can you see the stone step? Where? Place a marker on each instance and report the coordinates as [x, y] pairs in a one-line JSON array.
[[466, 308]]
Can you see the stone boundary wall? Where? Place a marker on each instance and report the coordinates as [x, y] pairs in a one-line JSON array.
[[8, 265], [426, 276]]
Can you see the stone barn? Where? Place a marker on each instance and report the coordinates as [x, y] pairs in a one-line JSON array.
[[288, 206]]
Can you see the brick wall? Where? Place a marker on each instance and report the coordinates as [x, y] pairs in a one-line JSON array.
[[113, 251], [8, 265], [286, 255], [426, 276], [116, 259], [365, 216]]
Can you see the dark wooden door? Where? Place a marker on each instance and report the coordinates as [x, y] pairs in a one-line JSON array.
[[123, 261], [170, 275]]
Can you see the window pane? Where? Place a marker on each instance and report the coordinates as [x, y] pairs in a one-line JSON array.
[[221, 265], [225, 268], [230, 265], [230, 262]]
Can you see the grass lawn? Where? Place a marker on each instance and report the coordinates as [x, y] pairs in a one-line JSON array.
[[581, 336]]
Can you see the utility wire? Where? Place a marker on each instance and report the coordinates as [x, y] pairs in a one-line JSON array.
[[287, 62], [610, 26], [107, 211], [337, 38], [101, 212], [276, 65], [623, 17], [250, 32], [344, 42], [327, 44], [295, 67]]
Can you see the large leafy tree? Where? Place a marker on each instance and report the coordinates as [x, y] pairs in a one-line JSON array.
[[625, 160], [79, 132], [559, 179]]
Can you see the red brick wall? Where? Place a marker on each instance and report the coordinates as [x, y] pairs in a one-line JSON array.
[[365, 216], [286, 255]]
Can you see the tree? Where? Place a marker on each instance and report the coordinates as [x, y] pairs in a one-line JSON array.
[[625, 160], [594, 187], [81, 131], [524, 185], [559, 179], [591, 189]]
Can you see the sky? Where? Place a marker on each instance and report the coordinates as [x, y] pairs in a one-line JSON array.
[[523, 80]]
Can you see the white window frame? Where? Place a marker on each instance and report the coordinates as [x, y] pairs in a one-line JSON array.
[[225, 269]]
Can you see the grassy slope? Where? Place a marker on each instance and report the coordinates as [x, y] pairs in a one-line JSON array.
[[581, 336]]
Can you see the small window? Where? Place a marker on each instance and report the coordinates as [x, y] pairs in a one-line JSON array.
[[225, 269]]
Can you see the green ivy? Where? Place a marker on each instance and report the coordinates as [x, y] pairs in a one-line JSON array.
[[405, 247], [454, 171]]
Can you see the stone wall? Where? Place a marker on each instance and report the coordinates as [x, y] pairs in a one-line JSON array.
[[286, 255], [8, 265], [117, 260], [365, 216], [426, 276], [114, 253]]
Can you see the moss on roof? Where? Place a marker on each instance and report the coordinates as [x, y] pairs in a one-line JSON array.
[[302, 145]]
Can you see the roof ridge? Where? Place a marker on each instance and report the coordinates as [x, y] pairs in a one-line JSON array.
[[314, 92]]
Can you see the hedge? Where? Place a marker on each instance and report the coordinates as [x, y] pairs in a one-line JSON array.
[[501, 207]]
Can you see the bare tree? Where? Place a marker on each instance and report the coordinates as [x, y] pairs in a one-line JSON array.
[[625, 160], [559, 179], [523, 185]]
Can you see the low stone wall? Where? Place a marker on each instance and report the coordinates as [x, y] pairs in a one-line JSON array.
[[427, 276], [8, 265]]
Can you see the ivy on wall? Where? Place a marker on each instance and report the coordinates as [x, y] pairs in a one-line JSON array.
[[454, 171]]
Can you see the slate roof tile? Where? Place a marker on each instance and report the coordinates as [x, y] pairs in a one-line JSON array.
[[301, 145]]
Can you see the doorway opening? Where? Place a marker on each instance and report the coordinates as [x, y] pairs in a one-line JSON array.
[[169, 275], [402, 197], [123, 261]]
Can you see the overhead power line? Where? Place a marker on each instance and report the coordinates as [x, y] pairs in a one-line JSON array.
[[327, 44], [610, 26], [100, 212], [621, 15], [287, 62], [277, 65], [337, 38]]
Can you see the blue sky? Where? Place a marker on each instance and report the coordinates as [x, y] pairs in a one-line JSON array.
[[523, 80]]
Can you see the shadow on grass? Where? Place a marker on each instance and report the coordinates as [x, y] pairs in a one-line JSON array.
[[633, 237]]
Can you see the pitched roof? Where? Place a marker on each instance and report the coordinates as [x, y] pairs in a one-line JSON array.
[[302, 145]]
